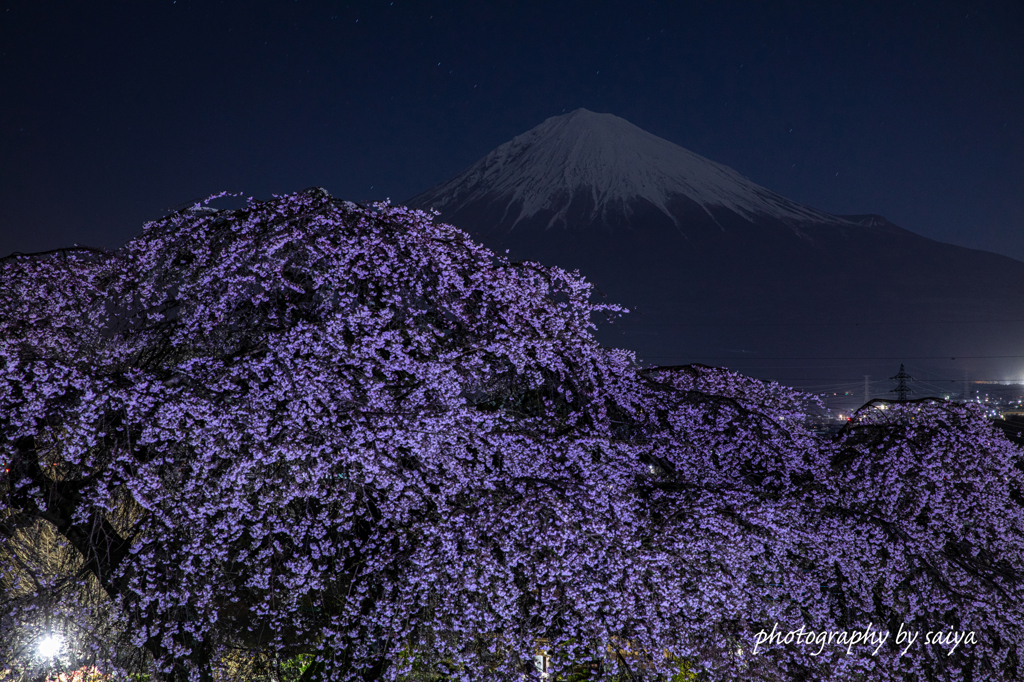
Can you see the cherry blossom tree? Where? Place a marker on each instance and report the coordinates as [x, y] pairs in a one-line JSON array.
[[313, 439]]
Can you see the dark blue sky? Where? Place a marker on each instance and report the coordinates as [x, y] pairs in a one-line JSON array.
[[113, 112]]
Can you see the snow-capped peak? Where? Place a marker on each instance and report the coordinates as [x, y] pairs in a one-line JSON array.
[[613, 161]]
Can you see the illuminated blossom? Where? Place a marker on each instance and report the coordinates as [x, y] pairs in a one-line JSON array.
[[316, 431]]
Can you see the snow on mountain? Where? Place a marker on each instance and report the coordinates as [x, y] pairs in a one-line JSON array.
[[710, 262], [612, 164]]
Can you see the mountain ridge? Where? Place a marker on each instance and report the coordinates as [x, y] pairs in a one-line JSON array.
[[699, 245], [616, 163]]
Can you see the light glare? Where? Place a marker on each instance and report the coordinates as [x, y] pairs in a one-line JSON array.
[[50, 646]]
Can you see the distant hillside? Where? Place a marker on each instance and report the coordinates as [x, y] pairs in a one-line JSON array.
[[721, 270]]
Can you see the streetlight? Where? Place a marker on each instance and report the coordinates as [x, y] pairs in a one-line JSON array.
[[49, 646]]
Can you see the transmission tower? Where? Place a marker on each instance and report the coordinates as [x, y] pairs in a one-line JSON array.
[[901, 389]]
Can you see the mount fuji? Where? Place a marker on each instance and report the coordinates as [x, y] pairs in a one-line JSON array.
[[720, 270]]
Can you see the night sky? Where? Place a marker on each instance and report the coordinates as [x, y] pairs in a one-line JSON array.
[[111, 113]]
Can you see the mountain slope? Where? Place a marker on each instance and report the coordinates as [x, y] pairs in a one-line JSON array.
[[608, 165], [719, 269]]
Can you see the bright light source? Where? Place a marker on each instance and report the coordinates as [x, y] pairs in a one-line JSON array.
[[49, 646]]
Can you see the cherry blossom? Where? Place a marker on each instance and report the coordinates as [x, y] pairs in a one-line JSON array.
[[348, 437]]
